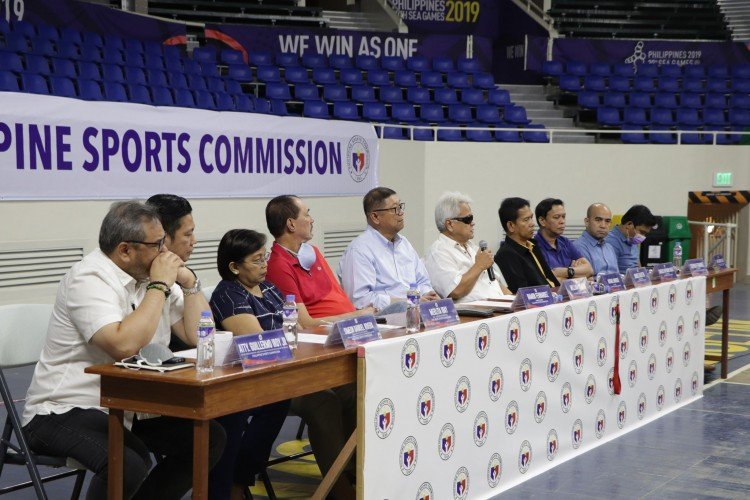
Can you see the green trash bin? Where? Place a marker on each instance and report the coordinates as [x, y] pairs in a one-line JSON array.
[[677, 229]]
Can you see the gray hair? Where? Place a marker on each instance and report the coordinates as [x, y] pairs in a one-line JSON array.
[[448, 206], [124, 222]]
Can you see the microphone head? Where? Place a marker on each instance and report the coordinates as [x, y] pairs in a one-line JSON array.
[[483, 245]]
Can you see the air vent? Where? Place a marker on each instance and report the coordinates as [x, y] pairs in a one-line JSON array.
[[335, 242], [41, 266], [204, 255]]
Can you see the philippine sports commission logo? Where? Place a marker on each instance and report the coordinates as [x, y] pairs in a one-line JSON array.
[[540, 407], [660, 398], [481, 428], [632, 373], [669, 363], [641, 406], [462, 394], [643, 339], [553, 443], [611, 381], [651, 366], [662, 333], [358, 158], [553, 366], [654, 302], [566, 397], [461, 484], [524, 457], [622, 414], [385, 418], [591, 315], [426, 405], [541, 327], [680, 327], [448, 348], [678, 390], [689, 293], [578, 358], [601, 352], [590, 389], [425, 492], [567, 321], [511, 417], [696, 323], [482, 341], [514, 333], [624, 344], [494, 470], [613, 303], [410, 358], [446, 441], [408, 455], [576, 433], [635, 305], [672, 297], [524, 374], [694, 384], [600, 424], [686, 354], [496, 384]]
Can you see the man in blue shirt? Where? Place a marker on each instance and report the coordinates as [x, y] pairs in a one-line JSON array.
[[565, 260], [626, 238], [379, 265], [592, 244]]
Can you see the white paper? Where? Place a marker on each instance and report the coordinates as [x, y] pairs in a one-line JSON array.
[[506, 300], [312, 338]]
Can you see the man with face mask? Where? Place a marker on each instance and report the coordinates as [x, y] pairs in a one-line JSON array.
[[627, 237]]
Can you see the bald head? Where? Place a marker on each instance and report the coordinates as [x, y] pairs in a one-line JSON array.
[[598, 219]]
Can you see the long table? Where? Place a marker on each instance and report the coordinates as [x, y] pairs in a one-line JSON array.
[[722, 281]]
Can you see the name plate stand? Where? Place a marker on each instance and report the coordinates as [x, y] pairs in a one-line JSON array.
[[533, 296], [694, 267], [612, 282], [718, 263], [353, 332], [438, 313], [576, 288], [259, 348], [637, 277], [664, 272]]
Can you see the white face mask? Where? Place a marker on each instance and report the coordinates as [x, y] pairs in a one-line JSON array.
[[306, 256]]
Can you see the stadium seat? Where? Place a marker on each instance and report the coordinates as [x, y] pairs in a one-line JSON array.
[[472, 97], [88, 71], [739, 101], [363, 93], [391, 94], [662, 116], [403, 112], [115, 91], [134, 59], [287, 59], [296, 75], [335, 92], [688, 117], [133, 45], [278, 107], [635, 116], [468, 65], [139, 94], [665, 100], [418, 95], [739, 118], [190, 67], [668, 84], [715, 100], [600, 69], [393, 133], [204, 54], [716, 85], [24, 28], [507, 135], [421, 134], [216, 84], [67, 50], [42, 46], [315, 109], [93, 54], [499, 97], [8, 81], [714, 116], [672, 70], [87, 37], [405, 78], [378, 77], [17, 42], [204, 99], [694, 71], [576, 68], [461, 113], [89, 90], [570, 83], [489, 114], [177, 81], [340, 61], [324, 76], [278, 90], [741, 71], [184, 98], [633, 135], [690, 84], [418, 63], [152, 49], [350, 76], [647, 69], [374, 112], [366, 63], [314, 61], [623, 69], [443, 64], [614, 99], [154, 61], [535, 133], [590, 100], [161, 96], [112, 73], [62, 86], [431, 113], [260, 58], [112, 41], [458, 80], [109, 55], [609, 117], [447, 96], [48, 32], [268, 74], [431, 79], [639, 100], [619, 83], [345, 110], [644, 84], [483, 81], [232, 86], [306, 91], [10, 61], [741, 86], [135, 76], [241, 73], [224, 101], [452, 134], [595, 83], [37, 64], [516, 115], [717, 71], [662, 138], [392, 63], [262, 105], [156, 77], [243, 103], [175, 64], [34, 83], [478, 135], [552, 69], [723, 138], [694, 138]]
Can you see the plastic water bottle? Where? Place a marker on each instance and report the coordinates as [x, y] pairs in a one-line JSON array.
[[206, 327], [290, 321], [677, 255], [412, 309]]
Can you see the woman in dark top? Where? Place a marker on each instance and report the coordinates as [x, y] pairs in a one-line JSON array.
[[244, 303]]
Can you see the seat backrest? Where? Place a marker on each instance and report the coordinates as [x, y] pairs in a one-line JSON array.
[[23, 329]]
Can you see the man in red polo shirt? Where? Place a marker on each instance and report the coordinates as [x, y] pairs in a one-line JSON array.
[[297, 267]]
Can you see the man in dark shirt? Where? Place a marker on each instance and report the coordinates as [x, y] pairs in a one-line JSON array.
[[521, 262]]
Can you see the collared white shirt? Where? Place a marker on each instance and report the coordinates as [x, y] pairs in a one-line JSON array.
[[374, 269], [94, 293], [447, 261]]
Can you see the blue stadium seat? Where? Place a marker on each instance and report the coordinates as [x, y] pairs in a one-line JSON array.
[[335, 92], [633, 134], [363, 93], [241, 73], [609, 117], [278, 90], [37, 64], [647, 69], [184, 98], [741, 71], [431, 79], [153, 48], [156, 77], [694, 71], [403, 112], [135, 76], [391, 94], [507, 135], [314, 61], [139, 94], [468, 65], [4, 26], [393, 133], [690, 84], [231, 56], [278, 107], [315, 109], [405, 78], [378, 77], [672, 70], [723, 139], [483, 80], [366, 63], [260, 58], [88, 70], [665, 100], [576, 68], [268, 74], [42, 46], [287, 59], [668, 84], [109, 55], [340, 61], [115, 91], [112, 73], [472, 97], [374, 112], [16, 42], [134, 59], [595, 83], [208, 69], [224, 101], [600, 69], [133, 45], [324, 76], [418, 95], [716, 85], [8, 81], [453, 135], [350, 76], [500, 97], [718, 71], [446, 96], [215, 84], [739, 118], [90, 53], [619, 83], [87, 37], [623, 69], [459, 80], [90, 90], [740, 86], [345, 110], [62, 86], [243, 103], [694, 138], [232, 85], [421, 134], [162, 96], [570, 83], [190, 67], [488, 113], [535, 133], [688, 117], [204, 54], [552, 69], [663, 138], [589, 100], [418, 63], [614, 99], [197, 82], [639, 99], [262, 105], [10, 61], [24, 28], [306, 91], [478, 135], [516, 115], [392, 63], [67, 50], [714, 116], [715, 100], [739, 101], [296, 74], [204, 99], [461, 113], [431, 113], [34, 83], [662, 116], [644, 84], [175, 64], [635, 116], [48, 32], [444, 65], [177, 81], [154, 61]]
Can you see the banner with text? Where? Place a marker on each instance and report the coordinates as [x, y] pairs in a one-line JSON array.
[[470, 17], [60, 148], [473, 410]]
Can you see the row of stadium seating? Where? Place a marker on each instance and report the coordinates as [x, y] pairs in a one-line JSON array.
[[591, 100], [273, 12], [572, 83], [577, 68]]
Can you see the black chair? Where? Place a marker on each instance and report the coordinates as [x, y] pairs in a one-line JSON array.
[[18, 350], [286, 458]]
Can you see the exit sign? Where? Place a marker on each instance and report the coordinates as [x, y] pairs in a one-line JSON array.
[[723, 179]]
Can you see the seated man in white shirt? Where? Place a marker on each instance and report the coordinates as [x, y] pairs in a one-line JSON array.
[[458, 268], [119, 298], [379, 265]]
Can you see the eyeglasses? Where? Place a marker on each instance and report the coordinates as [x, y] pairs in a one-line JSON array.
[[466, 220], [155, 244], [259, 262], [398, 208]]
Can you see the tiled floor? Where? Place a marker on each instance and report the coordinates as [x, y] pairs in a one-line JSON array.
[[699, 451]]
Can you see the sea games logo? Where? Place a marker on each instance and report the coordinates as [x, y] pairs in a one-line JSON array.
[[358, 158]]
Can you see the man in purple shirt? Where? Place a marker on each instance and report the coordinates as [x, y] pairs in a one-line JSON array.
[[565, 260]]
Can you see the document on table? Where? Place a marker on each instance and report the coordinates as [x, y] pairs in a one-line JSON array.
[[312, 338], [491, 303]]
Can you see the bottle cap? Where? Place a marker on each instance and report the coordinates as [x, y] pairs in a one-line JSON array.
[[205, 314], [290, 297]]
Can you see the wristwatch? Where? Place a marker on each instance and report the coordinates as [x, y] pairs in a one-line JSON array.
[[190, 291], [571, 272]]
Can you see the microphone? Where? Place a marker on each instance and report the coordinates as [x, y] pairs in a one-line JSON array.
[[490, 271]]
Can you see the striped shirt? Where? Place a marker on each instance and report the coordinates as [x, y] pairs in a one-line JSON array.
[[230, 298]]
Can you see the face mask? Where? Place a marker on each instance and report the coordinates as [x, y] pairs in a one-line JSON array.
[[306, 256], [637, 239]]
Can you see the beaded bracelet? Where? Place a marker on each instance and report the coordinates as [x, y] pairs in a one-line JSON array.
[[161, 286]]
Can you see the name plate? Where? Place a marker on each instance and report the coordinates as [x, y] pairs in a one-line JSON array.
[[576, 288], [637, 277], [612, 282], [695, 267], [533, 296], [664, 272], [438, 313], [354, 331], [718, 263], [259, 348]]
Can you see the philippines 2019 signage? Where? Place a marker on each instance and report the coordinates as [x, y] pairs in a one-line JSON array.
[[61, 148]]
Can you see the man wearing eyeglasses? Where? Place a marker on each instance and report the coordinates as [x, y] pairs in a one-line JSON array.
[[380, 264], [458, 268], [112, 303]]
